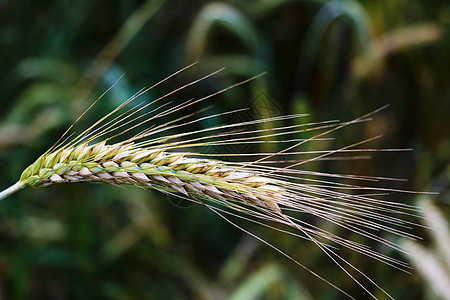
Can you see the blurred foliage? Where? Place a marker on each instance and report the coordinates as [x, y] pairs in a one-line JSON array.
[[433, 260], [333, 59]]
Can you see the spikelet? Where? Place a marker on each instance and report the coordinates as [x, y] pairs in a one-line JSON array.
[[255, 190]]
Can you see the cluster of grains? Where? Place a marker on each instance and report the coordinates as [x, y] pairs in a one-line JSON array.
[[122, 164]]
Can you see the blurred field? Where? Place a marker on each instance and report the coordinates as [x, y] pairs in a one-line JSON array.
[[332, 59]]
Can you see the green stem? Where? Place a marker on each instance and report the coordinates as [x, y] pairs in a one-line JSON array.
[[11, 190]]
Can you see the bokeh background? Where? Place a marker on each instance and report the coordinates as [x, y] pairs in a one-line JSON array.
[[332, 59]]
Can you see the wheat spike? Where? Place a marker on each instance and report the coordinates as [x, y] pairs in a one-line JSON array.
[[261, 191], [123, 164]]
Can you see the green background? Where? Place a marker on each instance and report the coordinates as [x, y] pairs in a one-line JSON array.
[[332, 59]]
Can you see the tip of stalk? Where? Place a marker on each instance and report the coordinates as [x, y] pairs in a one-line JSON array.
[[11, 190]]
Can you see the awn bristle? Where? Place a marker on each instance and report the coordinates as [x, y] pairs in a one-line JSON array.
[[260, 191]]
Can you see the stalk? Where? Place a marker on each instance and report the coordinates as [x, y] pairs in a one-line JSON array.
[[11, 190]]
